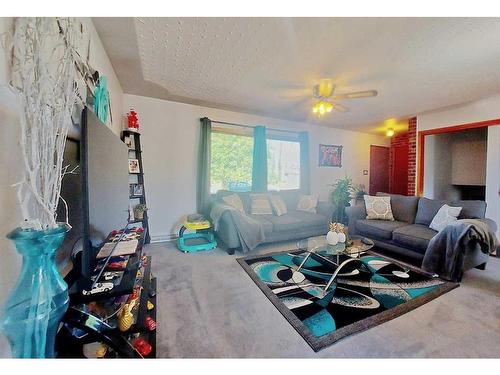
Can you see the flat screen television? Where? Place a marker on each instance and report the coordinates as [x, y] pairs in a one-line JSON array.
[[98, 194]]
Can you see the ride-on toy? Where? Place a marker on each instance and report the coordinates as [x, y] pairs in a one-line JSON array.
[[201, 228]]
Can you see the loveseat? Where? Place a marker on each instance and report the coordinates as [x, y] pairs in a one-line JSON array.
[[408, 236], [293, 225]]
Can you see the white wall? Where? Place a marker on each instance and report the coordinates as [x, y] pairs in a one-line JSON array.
[[169, 140], [438, 167], [11, 156], [482, 110]]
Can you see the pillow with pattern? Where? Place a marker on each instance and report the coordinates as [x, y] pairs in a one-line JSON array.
[[235, 201], [279, 205], [446, 215], [378, 208], [307, 203], [260, 204]]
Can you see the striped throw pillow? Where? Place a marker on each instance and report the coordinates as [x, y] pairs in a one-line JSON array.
[[260, 204]]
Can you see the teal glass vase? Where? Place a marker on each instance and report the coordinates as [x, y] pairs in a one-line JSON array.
[[36, 305]]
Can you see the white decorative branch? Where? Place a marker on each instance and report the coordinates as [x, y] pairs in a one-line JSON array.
[[44, 71]]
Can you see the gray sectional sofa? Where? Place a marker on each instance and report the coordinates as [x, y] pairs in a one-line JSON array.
[[292, 225], [408, 236]]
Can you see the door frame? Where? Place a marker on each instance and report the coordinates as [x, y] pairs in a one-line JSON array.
[[447, 129]]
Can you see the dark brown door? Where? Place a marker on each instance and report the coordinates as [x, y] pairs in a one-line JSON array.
[[399, 182], [379, 169]]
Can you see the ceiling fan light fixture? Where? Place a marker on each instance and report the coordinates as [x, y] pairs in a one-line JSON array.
[[389, 132], [322, 107]]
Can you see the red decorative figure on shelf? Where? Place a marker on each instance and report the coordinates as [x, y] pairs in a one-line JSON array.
[[143, 347], [150, 323], [133, 121]]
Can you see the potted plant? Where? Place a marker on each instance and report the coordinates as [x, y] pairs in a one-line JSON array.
[[358, 193], [44, 75], [340, 198], [139, 211]]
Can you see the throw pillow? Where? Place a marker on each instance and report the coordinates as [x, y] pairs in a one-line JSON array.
[[260, 204], [307, 203], [378, 208], [234, 200], [445, 216], [279, 206]]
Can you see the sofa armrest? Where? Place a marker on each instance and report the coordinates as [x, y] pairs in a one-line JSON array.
[[226, 229], [325, 209], [354, 213], [490, 223]]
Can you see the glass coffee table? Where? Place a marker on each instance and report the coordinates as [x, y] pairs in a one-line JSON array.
[[318, 247]]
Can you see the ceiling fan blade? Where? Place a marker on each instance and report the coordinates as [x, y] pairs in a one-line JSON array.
[[339, 108], [356, 95]]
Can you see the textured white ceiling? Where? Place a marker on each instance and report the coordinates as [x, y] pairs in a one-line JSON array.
[[269, 65]]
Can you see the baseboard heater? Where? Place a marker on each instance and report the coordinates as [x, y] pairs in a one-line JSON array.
[[164, 238]]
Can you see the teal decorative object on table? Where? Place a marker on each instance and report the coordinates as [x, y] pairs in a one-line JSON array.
[[39, 299]]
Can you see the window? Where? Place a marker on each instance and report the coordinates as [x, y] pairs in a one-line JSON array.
[[283, 164], [231, 162]]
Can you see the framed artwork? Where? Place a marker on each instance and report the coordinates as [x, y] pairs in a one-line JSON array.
[[330, 156], [133, 166], [137, 190], [129, 141]]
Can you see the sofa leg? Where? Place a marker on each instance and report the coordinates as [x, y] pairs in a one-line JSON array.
[[481, 267], [231, 251]]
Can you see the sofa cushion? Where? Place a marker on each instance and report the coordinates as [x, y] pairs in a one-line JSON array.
[[294, 220], [310, 219], [427, 209], [415, 237], [264, 220], [379, 229], [404, 208], [470, 209]]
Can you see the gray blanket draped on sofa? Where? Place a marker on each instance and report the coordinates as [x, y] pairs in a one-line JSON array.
[[250, 231], [445, 254]]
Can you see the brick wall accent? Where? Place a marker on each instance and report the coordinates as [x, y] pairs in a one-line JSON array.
[[412, 155], [407, 138]]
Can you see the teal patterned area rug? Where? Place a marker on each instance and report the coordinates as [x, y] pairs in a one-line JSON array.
[[365, 292]]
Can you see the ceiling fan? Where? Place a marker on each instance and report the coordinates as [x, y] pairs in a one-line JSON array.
[[324, 92]]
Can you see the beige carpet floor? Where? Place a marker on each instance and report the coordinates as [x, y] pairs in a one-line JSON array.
[[209, 307]]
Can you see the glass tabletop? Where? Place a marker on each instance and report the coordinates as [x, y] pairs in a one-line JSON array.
[[354, 245]]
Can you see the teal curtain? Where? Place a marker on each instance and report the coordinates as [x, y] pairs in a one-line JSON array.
[[259, 169], [305, 179], [203, 168]]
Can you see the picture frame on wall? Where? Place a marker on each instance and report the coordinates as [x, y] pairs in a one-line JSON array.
[[133, 166], [137, 190], [330, 156], [130, 142]]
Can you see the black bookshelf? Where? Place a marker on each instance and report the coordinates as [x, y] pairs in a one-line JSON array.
[[103, 326], [136, 153]]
